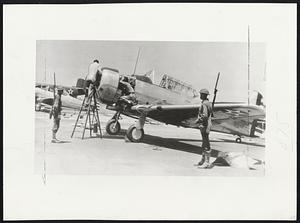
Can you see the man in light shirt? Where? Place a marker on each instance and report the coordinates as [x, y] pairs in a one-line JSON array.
[[94, 76]]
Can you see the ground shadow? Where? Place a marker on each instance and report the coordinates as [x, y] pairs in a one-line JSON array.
[[171, 143], [121, 135], [175, 144]]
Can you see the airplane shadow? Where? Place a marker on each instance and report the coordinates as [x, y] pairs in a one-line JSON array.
[[120, 135], [169, 143], [174, 143]]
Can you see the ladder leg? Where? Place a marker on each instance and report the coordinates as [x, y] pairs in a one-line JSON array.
[[78, 117], [93, 116], [97, 114], [90, 124], [88, 113], [93, 109]]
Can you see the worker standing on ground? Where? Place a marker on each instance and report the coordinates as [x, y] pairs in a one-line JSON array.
[[56, 112], [204, 121]]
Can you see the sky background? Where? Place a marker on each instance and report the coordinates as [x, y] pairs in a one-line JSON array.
[[196, 63]]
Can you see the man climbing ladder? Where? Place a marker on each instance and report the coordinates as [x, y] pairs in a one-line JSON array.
[[93, 78]]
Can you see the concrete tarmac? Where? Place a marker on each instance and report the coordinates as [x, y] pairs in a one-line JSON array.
[[165, 151]]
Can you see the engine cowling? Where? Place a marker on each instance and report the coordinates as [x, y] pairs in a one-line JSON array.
[[108, 91]]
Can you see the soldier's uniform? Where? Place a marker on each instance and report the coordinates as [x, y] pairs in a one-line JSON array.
[[56, 112], [204, 120]]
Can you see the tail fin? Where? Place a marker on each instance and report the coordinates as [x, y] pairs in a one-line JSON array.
[[256, 98], [81, 83]]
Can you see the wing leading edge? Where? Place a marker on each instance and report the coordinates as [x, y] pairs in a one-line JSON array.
[[229, 118]]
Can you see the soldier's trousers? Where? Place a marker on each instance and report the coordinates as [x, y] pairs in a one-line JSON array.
[[205, 141], [56, 122]]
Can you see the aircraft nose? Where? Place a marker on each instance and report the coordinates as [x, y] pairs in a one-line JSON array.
[[108, 84]]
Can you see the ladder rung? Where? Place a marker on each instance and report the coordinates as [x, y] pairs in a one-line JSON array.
[[90, 108]]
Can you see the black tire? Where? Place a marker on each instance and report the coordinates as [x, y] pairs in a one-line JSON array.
[[110, 127], [238, 140], [135, 135]]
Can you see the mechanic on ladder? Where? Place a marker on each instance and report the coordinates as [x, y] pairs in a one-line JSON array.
[[128, 85], [204, 121], [93, 78]]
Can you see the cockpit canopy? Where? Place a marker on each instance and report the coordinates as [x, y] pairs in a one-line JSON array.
[[173, 84]]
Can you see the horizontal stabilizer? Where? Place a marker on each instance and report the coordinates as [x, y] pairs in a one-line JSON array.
[[256, 98], [81, 83]]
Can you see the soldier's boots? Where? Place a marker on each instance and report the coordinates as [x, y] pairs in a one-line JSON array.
[[202, 160], [204, 163], [54, 139]]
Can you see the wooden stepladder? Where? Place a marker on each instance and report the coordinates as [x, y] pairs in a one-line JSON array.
[[94, 122]]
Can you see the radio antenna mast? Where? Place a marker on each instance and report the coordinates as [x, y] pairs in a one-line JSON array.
[[248, 63], [136, 62], [45, 71], [248, 83]]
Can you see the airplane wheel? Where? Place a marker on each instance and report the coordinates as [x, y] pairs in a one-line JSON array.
[[38, 107], [113, 128], [238, 140], [134, 134]]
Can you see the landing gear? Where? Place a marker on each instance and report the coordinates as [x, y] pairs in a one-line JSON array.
[[38, 107], [135, 133], [113, 127], [238, 140]]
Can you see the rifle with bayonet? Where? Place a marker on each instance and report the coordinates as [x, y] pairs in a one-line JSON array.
[[54, 86], [215, 94]]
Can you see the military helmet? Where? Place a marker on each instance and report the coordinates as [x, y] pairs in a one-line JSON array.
[[60, 90], [204, 91]]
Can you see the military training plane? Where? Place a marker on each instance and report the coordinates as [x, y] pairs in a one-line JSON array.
[[176, 103], [44, 96]]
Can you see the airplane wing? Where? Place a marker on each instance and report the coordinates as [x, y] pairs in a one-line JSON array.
[[232, 118]]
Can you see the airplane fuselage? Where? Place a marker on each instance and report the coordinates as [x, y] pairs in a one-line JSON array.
[[152, 94], [147, 93]]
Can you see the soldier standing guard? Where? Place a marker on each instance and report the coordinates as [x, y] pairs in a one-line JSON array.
[[204, 120], [56, 113]]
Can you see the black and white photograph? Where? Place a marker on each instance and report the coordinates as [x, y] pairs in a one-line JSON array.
[[150, 108], [149, 111]]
